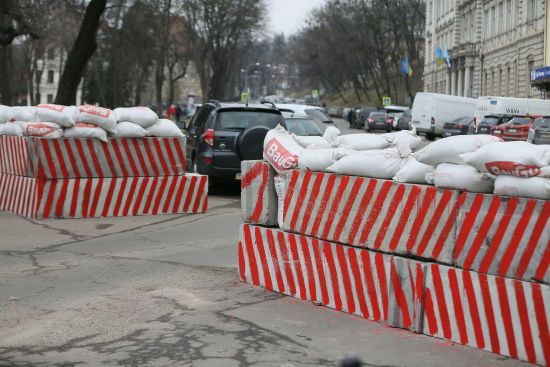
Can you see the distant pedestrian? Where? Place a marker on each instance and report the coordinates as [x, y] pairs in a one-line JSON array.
[[350, 118], [179, 111], [171, 111]]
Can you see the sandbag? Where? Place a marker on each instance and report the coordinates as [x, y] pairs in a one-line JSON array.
[[4, 114], [46, 130], [127, 129], [84, 130], [11, 128], [448, 150], [319, 159], [362, 141], [99, 116], [281, 150], [460, 177], [63, 115], [306, 141], [280, 189], [331, 134], [517, 158], [22, 113], [413, 171], [164, 128], [143, 116], [531, 187], [378, 163], [406, 141]]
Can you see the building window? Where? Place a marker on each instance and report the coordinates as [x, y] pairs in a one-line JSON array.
[[51, 53], [50, 98], [500, 83], [509, 16], [486, 23], [530, 9], [493, 21], [50, 76], [500, 17], [530, 66]]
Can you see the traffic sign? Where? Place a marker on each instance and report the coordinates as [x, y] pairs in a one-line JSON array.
[[386, 101], [244, 97], [315, 93]]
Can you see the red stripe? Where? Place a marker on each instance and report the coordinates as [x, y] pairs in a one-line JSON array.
[[199, 195], [494, 245], [181, 155], [290, 191], [354, 265], [506, 316], [161, 155], [248, 177], [97, 196], [275, 257], [429, 312], [288, 271], [333, 211], [319, 264], [533, 242], [49, 158], [255, 278], [147, 144], [308, 268], [449, 224], [358, 182], [323, 205], [436, 218], [300, 199], [327, 250], [255, 217], [524, 315], [151, 195], [404, 218], [170, 193], [242, 266], [109, 158], [129, 157], [315, 189], [517, 236], [481, 235], [49, 198], [345, 278], [394, 204], [133, 187], [60, 157], [263, 258], [71, 154], [375, 210], [94, 158], [473, 309], [190, 193], [82, 155], [542, 321], [468, 223], [457, 305], [441, 302], [171, 157], [297, 264], [140, 159], [419, 294], [74, 198], [420, 216], [141, 194], [86, 199], [399, 294], [361, 210], [382, 282], [61, 199], [489, 313], [119, 158], [371, 288], [120, 195], [544, 264], [19, 194], [162, 190], [109, 198]]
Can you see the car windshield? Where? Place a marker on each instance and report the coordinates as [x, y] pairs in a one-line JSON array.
[[463, 119], [520, 121], [489, 120], [318, 115], [305, 127], [242, 120]]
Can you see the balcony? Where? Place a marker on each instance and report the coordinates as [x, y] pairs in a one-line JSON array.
[[462, 50]]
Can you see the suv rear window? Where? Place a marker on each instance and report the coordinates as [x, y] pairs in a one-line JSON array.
[[520, 120], [242, 120], [489, 120]]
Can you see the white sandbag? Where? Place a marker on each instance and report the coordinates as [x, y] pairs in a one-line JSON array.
[[413, 171], [164, 128], [63, 115], [127, 129], [378, 163], [22, 113], [84, 130], [281, 150], [331, 134], [460, 177], [11, 128], [319, 159], [280, 189], [532, 187], [448, 150], [362, 141], [99, 116], [143, 116], [46, 130], [517, 158], [405, 140], [4, 114], [306, 141]]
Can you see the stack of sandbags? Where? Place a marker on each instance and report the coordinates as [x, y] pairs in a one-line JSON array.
[[133, 121]]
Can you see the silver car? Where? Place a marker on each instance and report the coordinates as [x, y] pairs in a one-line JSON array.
[[539, 132]]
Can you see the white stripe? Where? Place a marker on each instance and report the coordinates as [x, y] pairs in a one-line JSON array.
[[270, 259], [342, 202], [315, 209], [256, 253], [245, 253], [303, 263], [532, 319], [281, 262], [352, 282], [318, 291]]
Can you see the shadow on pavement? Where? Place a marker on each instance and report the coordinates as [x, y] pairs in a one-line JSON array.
[[225, 188]]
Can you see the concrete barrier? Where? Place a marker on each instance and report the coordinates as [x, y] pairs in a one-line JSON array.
[[501, 315], [258, 195], [357, 281], [103, 197]]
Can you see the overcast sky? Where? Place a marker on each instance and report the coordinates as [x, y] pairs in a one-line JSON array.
[[288, 16]]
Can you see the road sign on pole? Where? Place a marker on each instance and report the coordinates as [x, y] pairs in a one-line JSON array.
[[386, 101], [244, 97], [315, 93]]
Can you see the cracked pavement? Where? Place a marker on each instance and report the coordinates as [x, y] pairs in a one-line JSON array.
[[164, 291]]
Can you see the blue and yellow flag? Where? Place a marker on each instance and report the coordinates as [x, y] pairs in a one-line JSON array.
[[438, 56], [406, 67]]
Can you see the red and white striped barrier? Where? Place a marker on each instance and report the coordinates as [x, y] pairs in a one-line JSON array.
[[501, 315], [352, 280], [258, 196], [103, 197], [79, 158], [504, 236]]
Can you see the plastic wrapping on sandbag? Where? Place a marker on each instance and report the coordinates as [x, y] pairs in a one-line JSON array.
[[531, 187], [319, 159], [377, 163], [460, 177], [281, 150], [413, 171]]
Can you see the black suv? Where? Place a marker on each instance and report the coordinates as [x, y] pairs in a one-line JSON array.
[[484, 126], [221, 135]]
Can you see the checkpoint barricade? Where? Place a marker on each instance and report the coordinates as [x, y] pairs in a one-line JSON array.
[[258, 196]]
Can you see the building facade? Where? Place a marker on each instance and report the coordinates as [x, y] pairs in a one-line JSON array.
[[493, 45]]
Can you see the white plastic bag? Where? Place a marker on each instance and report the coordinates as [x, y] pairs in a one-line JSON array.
[[83, 130], [46, 130], [362, 141], [280, 189], [127, 129], [99, 116], [11, 128], [532, 187], [164, 128], [448, 150], [63, 115], [331, 134], [413, 171], [378, 163], [406, 141], [21, 113], [143, 116], [319, 159], [518, 158], [460, 177], [306, 141], [281, 150]]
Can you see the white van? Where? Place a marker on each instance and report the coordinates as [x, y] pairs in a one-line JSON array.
[[430, 111], [510, 106]]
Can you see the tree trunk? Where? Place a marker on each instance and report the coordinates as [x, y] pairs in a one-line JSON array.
[[5, 86], [83, 49]]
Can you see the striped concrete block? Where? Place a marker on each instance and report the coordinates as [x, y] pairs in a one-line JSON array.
[[504, 236], [383, 215], [80, 158], [258, 195], [103, 197], [501, 315], [357, 281]]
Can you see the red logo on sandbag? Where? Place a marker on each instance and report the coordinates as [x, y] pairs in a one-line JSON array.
[[279, 156], [39, 130], [512, 169], [54, 107], [95, 110], [85, 125]]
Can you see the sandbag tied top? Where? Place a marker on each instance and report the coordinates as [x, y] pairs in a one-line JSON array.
[[143, 116], [98, 116], [65, 116]]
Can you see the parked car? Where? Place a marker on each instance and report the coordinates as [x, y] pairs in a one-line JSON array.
[[333, 112], [221, 135], [460, 126], [315, 112], [404, 122], [304, 125], [361, 116], [539, 133], [378, 121], [484, 126], [515, 129]]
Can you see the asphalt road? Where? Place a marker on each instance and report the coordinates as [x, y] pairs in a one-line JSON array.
[[164, 291]]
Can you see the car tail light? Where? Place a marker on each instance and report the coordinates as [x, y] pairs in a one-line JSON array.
[[370, 120], [389, 121], [208, 137], [207, 160]]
